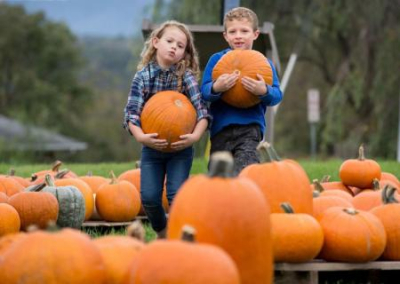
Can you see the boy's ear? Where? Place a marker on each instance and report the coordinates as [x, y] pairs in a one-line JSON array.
[[256, 34]]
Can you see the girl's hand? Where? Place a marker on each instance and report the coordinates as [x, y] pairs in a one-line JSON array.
[[256, 87], [151, 141], [187, 140], [225, 82]]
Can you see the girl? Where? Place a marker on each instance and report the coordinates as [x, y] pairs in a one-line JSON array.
[[169, 62]]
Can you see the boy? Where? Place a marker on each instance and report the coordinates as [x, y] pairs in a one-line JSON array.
[[238, 130]]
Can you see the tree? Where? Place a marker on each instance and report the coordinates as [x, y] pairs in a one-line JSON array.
[[39, 64]]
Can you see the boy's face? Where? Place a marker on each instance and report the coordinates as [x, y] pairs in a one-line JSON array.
[[240, 34]]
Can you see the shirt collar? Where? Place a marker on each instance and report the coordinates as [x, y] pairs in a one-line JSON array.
[[155, 68]]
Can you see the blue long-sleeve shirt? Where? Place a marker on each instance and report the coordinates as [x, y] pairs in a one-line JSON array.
[[224, 114]]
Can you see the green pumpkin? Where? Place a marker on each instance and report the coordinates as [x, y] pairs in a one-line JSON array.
[[70, 202]]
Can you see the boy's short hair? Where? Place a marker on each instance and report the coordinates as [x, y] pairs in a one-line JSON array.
[[240, 13]]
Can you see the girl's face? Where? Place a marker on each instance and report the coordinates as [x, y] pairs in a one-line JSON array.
[[170, 47], [240, 34]]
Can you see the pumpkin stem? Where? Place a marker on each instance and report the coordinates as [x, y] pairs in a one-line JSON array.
[[318, 186], [221, 164], [267, 152], [49, 180], [136, 230], [361, 153], [61, 174], [52, 226], [325, 178], [388, 194], [113, 178], [11, 172], [56, 166], [137, 164], [35, 187], [287, 208], [188, 234], [350, 211], [375, 184], [89, 174]]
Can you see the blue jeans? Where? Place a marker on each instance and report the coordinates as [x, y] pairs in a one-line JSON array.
[[154, 166]]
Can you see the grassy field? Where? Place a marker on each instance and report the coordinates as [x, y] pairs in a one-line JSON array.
[[314, 169]]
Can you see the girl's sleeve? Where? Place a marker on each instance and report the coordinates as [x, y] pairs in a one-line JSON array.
[[192, 90], [134, 107], [274, 93]]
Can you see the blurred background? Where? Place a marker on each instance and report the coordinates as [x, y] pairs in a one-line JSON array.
[[66, 67]]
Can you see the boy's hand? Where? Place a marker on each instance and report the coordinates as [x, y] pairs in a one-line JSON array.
[[151, 141], [256, 87], [187, 140], [225, 82]]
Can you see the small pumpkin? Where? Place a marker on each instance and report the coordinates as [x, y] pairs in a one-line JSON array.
[[359, 172], [295, 237], [351, 235], [248, 63], [170, 114]]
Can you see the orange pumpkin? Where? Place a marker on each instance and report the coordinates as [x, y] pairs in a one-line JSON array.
[[322, 203], [94, 182], [351, 235], [35, 208], [183, 261], [67, 256], [10, 221], [10, 186], [3, 197], [118, 253], [359, 172], [295, 237], [170, 114], [117, 201], [388, 213], [210, 203], [280, 181], [248, 63]]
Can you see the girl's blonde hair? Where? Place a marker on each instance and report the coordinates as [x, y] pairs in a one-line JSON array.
[[189, 61]]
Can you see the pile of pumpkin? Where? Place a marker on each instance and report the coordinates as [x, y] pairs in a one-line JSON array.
[[238, 227]]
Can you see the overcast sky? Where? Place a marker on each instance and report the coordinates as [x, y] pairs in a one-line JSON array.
[[93, 17]]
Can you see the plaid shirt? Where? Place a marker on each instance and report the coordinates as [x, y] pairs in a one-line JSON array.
[[152, 79]]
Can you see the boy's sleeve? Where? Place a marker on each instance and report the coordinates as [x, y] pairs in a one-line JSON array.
[[135, 103], [207, 82], [193, 91], [274, 93]]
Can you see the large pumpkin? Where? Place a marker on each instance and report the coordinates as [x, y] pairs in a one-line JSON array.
[[229, 212], [67, 256], [280, 181], [10, 221], [248, 63], [182, 261], [170, 114]]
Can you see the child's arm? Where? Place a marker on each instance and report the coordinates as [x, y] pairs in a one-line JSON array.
[[191, 138], [270, 95]]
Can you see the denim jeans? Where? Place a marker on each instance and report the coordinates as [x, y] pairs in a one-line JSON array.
[[154, 166], [241, 141]]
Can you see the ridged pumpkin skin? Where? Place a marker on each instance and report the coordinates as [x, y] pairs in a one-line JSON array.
[[322, 203], [71, 205], [67, 256], [210, 204], [118, 253], [84, 188], [10, 186], [10, 221], [249, 63], [118, 201], [179, 262], [170, 114], [3, 197], [351, 235], [359, 172], [295, 237], [35, 208]]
